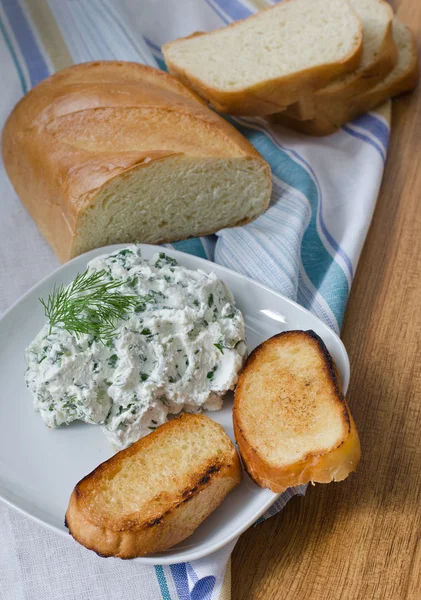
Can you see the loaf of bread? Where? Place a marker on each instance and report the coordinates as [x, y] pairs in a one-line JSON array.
[[291, 420], [268, 61], [154, 494], [403, 78], [110, 152], [379, 57]]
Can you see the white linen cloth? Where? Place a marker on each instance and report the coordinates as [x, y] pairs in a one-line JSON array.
[[306, 246]]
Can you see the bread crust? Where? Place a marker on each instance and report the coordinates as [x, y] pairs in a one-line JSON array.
[[58, 176], [316, 466], [318, 127], [268, 97], [161, 526]]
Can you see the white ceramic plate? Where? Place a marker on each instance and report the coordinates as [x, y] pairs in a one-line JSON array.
[[39, 466]]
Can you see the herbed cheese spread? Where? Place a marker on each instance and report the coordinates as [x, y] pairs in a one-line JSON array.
[[180, 347]]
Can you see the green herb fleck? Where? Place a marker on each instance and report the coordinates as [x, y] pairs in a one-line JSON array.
[[146, 331], [211, 373], [112, 361], [144, 376], [210, 300], [220, 347], [165, 259], [133, 281]]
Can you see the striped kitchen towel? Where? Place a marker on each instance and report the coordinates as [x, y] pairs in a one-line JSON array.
[[305, 246]]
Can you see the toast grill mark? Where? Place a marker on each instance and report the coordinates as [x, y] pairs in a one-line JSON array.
[[156, 521]]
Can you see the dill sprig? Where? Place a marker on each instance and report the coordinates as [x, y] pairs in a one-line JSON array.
[[88, 305]]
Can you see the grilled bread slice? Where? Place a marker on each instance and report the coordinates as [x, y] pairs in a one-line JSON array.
[[379, 56], [266, 62], [403, 78], [155, 494], [291, 420]]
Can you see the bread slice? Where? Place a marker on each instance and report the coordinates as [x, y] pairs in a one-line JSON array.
[[379, 56], [403, 78], [116, 152], [155, 494], [266, 62], [291, 420]]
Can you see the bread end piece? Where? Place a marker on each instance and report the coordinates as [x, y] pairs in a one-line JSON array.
[[324, 458], [178, 501]]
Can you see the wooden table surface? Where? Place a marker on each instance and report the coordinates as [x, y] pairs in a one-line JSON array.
[[361, 539]]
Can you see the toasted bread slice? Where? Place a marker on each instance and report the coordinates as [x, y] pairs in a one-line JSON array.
[[379, 57], [291, 420], [155, 493], [403, 78], [266, 62]]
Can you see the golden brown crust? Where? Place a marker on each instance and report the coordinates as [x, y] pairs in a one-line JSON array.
[[161, 525], [56, 142], [316, 466], [271, 96], [317, 127], [334, 466]]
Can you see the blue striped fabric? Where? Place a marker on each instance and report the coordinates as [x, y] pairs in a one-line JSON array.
[[352, 130], [305, 246], [15, 59], [163, 586], [376, 126], [37, 66]]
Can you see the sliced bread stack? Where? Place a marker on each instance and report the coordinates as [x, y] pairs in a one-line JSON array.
[[263, 64], [330, 116], [311, 65], [378, 58]]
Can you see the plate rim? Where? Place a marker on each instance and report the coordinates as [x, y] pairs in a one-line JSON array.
[[189, 554]]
